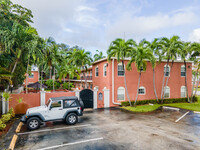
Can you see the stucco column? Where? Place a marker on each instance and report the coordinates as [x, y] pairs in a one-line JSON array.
[[106, 97], [95, 97], [77, 93], [42, 97], [3, 105]]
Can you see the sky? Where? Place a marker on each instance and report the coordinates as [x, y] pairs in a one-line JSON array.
[[94, 24]]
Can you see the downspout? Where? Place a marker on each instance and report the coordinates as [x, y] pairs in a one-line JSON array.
[[113, 96]]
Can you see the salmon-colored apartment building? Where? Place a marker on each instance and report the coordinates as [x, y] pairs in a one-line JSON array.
[[110, 76]]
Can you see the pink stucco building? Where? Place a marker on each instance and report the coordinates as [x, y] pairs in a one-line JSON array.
[[110, 76]]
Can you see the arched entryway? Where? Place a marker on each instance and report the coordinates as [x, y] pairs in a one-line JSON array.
[[86, 96]]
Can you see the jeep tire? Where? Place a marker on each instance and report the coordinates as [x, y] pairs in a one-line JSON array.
[[71, 119], [33, 123]]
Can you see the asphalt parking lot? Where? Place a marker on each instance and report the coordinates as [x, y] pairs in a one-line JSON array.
[[114, 129]]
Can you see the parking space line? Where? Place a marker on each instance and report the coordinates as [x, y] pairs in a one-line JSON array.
[[54, 129], [182, 116], [78, 142]]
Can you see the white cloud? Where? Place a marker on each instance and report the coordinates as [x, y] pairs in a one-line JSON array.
[[195, 35], [141, 26]]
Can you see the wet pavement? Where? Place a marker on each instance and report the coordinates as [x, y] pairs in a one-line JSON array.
[[120, 130]]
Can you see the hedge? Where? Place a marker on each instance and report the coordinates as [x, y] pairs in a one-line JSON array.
[[153, 101]]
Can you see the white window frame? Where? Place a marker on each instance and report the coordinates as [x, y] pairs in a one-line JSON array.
[[31, 76], [120, 70], [105, 70], [142, 87], [96, 71], [183, 66], [167, 67], [181, 91], [165, 91], [121, 88]]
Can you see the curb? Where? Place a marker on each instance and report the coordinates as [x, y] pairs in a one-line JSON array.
[[172, 108], [15, 136]]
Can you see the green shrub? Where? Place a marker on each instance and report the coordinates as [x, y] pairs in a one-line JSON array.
[[5, 118], [153, 101], [49, 83], [66, 86]]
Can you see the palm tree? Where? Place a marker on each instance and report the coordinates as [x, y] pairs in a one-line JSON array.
[[194, 52], [121, 49], [98, 55], [83, 60], [141, 53], [184, 52], [169, 49]]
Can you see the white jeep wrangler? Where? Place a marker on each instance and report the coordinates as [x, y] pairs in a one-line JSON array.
[[59, 108]]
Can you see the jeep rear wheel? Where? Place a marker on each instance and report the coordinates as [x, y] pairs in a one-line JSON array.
[[71, 119], [33, 123]]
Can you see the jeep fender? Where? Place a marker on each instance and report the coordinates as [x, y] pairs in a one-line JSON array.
[[39, 115], [68, 112]]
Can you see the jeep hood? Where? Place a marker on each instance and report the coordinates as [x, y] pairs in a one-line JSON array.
[[36, 109]]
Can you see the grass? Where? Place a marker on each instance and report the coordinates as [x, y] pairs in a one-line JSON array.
[[189, 106], [142, 108], [148, 108]]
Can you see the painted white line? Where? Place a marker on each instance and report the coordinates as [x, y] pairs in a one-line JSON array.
[[182, 116], [197, 112], [78, 142], [172, 108], [54, 129]]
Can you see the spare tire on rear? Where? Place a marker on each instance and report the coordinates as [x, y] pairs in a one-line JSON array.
[[82, 104]]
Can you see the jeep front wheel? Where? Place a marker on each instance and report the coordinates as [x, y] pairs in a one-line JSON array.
[[33, 123], [71, 119]]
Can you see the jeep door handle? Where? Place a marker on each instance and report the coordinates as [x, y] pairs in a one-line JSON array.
[[60, 109]]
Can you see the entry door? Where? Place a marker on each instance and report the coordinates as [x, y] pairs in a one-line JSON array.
[[56, 111]]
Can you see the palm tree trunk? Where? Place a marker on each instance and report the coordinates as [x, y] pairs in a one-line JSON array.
[[64, 78], [194, 83], [27, 76], [15, 66], [186, 88], [69, 84], [154, 85], [54, 80], [50, 68], [196, 89], [137, 89], [126, 84], [167, 80], [165, 70]]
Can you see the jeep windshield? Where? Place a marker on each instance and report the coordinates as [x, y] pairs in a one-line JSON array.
[[47, 104]]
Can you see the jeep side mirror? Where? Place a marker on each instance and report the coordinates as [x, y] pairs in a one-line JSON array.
[[50, 107]]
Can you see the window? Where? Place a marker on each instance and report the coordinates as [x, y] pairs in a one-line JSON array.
[[183, 91], [121, 94], [31, 75], [69, 103], [104, 69], [96, 71], [56, 104], [120, 70], [142, 90], [167, 92], [91, 73], [167, 71], [183, 71]]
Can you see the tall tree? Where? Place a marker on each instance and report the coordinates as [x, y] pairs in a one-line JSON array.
[[169, 49], [121, 49], [141, 53], [98, 55]]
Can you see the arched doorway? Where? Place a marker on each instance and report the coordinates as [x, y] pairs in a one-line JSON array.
[[86, 96]]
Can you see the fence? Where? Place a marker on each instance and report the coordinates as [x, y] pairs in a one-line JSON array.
[[32, 100]]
